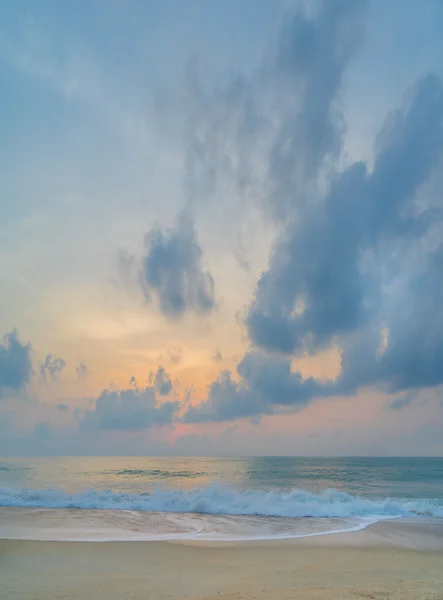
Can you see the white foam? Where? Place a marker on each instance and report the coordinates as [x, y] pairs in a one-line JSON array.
[[105, 526], [222, 500]]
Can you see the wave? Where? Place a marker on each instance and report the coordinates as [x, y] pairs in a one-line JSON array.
[[155, 473], [221, 500]]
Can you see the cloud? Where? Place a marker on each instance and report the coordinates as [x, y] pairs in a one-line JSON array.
[[302, 142], [62, 407], [82, 371], [266, 383], [364, 258], [228, 431], [171, 271], [226, 400], [218, 356], [129, 410], [356, 262], [52, 367], [359, 271], [307, 69], [266, 135], [358, 257], [401, 402], [15, 363], [175, 355], [335, 260], [162, 382]]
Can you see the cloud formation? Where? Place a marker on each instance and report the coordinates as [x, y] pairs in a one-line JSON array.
[[171, 272], [364, 258], [52, 367], [266, 383], [307, 68], [217, 356], [82, 371], [361, 270], [267, 135], [358, 258], [336, 258], [15, 363], [401, 402], [129, 410], [162, 382], [355, 264]]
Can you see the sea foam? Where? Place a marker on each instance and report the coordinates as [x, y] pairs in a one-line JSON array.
[[223, 500]]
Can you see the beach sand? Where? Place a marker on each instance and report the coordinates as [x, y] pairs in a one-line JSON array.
[[395, 560]]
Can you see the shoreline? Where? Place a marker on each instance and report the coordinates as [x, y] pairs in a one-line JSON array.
[[389, 560], [420, 533], [104, 526]]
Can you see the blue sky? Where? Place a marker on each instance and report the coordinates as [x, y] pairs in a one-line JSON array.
[[238, 198]]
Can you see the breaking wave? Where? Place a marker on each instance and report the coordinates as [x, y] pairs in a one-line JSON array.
[[221, 500]]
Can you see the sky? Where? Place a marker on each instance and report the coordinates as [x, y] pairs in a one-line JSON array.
[[221, 227]]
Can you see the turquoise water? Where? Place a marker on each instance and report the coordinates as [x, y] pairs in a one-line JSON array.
[[248, 495]]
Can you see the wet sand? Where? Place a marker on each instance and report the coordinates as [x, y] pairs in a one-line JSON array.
[[395, 560]]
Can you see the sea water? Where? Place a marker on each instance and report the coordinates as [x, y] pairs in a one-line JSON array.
[[140, 498]]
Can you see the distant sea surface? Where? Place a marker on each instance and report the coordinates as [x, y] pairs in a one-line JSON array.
[[211, 498]]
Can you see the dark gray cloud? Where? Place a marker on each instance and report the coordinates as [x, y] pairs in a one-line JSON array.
[[265, 383], [401, 402], [162, 382], [62, 407], [52, 367], [340, 254], [129, 409], [82, 371], [172, 271], [365, 257], [15, 363], [358, 259], [226, 400], [283, 120]]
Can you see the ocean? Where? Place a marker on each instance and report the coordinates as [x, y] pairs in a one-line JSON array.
[[138, 498]]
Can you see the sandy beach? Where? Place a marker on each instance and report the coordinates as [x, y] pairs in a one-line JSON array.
[[395, 560]]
